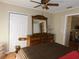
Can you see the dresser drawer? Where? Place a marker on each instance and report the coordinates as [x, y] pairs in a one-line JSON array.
[[2, 50], [2, 54]]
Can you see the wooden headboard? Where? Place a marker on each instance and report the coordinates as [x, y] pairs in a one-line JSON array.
[[39, 38]]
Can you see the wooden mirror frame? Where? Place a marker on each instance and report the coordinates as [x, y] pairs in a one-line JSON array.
[[40, 17]]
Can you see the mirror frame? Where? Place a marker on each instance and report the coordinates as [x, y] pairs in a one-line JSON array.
[[40, 17]]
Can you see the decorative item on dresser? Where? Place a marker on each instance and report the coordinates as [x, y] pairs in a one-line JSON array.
[[2, 50], [39, 38]]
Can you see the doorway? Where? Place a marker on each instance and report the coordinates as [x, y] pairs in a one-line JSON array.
[[18, 29], [72, 27]]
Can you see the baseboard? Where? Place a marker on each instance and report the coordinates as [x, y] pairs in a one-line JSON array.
[[8, 52]]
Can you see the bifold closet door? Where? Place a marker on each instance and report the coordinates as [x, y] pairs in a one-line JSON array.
[[18, 28]]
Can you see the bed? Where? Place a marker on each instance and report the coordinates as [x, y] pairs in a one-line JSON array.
[[47, 50]]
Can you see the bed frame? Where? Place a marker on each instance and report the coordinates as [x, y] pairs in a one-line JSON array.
[[51, 51]]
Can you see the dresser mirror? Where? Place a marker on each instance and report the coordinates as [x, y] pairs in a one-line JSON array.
[[39, 24]]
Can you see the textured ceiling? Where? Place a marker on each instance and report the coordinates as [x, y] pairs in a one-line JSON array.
[[63, 4]]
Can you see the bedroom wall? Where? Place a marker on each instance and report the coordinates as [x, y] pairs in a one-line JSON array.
[[4, 19], [58, 25]]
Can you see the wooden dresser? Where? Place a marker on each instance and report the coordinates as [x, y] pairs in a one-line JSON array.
[[39, 38]]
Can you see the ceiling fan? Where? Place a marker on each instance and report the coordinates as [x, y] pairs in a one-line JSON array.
[[44, 4]]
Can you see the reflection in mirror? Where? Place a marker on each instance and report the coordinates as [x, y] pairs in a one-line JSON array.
[[39, 24]]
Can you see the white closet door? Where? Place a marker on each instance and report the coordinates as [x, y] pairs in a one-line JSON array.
[[18, 28]]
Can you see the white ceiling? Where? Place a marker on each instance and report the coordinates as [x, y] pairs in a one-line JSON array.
[[63, 4]]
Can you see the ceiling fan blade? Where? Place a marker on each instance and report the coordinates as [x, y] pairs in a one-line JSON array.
[[53, 4], [37, 6], [35, 2]]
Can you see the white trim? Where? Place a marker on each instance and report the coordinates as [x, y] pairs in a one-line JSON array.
[[65, 30], [65, 27], [20, 13]]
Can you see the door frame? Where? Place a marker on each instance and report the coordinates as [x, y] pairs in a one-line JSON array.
[[65, 26]]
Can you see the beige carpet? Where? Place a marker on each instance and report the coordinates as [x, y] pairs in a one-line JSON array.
[[10, 56]]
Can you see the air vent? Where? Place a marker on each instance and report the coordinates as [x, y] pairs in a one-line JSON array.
[[69, 7]]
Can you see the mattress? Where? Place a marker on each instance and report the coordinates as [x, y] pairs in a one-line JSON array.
[[44, 51]]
